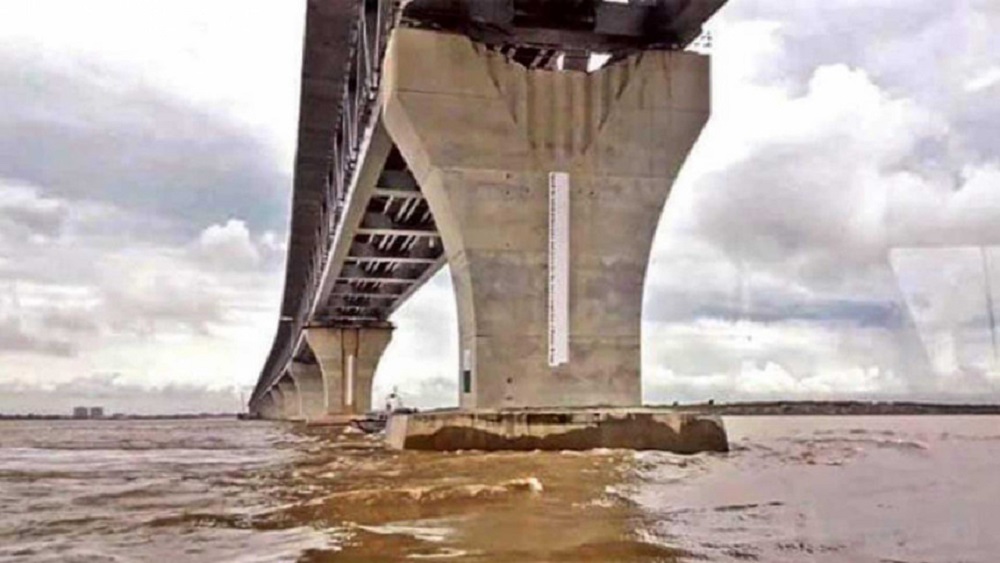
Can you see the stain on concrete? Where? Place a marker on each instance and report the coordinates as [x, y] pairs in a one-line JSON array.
[[685, 434]]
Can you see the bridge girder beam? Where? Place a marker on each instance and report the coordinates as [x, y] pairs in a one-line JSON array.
[[589, 25], [397, 193], [342, 289]]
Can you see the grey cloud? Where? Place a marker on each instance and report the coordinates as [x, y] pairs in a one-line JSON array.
[[80, 294], [782, 203], [135, 148], [13, 338], [919, 48], [75, 322], [766, 305], [163, 305], [59, 257], [176, 297], [708, 351], [791, 360], [121, 179], [978, 119], [799, 222], [116, 395], [860, 313], [855, 33], [32, 220]]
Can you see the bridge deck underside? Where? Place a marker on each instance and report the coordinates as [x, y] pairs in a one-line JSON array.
[[394, 250], [327, 46]]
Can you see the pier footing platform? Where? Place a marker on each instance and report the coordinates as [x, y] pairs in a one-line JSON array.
[[558, 429]]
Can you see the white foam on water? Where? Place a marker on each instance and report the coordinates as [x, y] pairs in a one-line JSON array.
[[434, 534]]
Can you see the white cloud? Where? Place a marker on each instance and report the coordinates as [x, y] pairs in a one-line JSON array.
[[25, 214], [771, 272], [815, 168], [208, 53], [228, 245], [155, 312], [984, 80], [271, 243]]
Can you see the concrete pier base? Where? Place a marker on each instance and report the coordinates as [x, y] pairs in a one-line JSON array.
[[559, 429]]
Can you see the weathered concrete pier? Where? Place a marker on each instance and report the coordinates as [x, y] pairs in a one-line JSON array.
[[558, 429], [490, 136]]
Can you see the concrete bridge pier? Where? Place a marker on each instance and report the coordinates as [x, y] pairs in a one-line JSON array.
[[279, 403], [485, 139], [308, 380], [269, 409], [291, 407], [348, 357], [547, 188]]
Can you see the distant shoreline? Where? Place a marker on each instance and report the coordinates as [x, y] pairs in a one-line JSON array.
[[200, 416], [753, 408], [838, 408]]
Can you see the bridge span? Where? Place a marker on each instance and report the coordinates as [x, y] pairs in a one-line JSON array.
[[529, 144]]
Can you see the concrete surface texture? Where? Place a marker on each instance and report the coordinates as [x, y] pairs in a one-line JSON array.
[[291, 406], [308, 380], [279, 402], [348, 358], [558, 429], [269, 406], [482, 136]]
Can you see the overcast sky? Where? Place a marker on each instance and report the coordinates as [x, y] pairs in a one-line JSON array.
[[831, 235]]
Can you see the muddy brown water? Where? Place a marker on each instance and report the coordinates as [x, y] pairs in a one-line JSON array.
[[879, 489]]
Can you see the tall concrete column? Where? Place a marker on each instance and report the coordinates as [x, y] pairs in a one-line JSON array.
[[279, 402], [309, 382], [291, 405], [348, 358], [484, 138], [268, 408]]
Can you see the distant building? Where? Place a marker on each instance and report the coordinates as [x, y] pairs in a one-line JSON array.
[[96, 412], [81, 412]]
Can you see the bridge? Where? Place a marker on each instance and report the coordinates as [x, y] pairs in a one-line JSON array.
[[530, 145]]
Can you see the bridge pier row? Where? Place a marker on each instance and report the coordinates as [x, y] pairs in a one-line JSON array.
[[517, 164], [347, 358], [291, 406]]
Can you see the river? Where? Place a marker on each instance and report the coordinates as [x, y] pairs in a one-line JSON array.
[[818, 489]]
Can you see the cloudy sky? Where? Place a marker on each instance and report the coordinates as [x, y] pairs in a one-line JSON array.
[[832, 234]]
